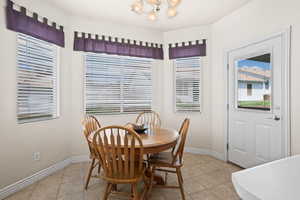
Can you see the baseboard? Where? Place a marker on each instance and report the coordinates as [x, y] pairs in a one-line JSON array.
[[197, 150], [215, 154], [15, 187], [78, 159], [218, 155]]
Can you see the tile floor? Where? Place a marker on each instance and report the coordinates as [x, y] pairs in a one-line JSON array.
[[205, 178]]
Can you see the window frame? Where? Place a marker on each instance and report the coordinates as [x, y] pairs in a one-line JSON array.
[[57, 88], [201, 65], [84, 101]]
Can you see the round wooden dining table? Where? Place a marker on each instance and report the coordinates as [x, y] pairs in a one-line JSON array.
[[157, 140]]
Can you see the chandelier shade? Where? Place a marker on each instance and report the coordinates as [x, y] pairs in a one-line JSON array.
[[138, 7]]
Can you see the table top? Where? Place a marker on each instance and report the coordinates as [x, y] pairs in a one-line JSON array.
[[276, 180], [158, 139]]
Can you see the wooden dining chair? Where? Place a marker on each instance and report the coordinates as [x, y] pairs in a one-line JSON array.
[[121, 152], [90, 125], [171, 162], [149, 118]]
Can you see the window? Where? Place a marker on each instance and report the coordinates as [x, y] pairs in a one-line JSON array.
[[117, 84], [254, 82], [36, 79], [187, 89], [267, 84], [249, 89]]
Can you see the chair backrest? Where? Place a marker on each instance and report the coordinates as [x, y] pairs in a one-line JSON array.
[[90, 125], [179, 148], [121, 152], [149, 118]]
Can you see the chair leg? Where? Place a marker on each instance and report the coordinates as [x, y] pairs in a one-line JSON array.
[[99, 167], [115, 187], [89, 174], [146, 187], [107, 191], [151, 181], [166, 178], [135, 192], [179, 176]]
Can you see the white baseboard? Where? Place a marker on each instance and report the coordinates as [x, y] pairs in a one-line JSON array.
[[197, 150], [15, 187], [78, 159], [215, 154], [218, 155]]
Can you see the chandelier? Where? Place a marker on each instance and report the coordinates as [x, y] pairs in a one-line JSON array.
[[139, 7]]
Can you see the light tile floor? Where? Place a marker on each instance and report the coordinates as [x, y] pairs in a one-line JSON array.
[[205, 178]]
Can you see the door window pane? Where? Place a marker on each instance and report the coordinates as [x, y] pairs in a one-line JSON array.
[[254, 82]]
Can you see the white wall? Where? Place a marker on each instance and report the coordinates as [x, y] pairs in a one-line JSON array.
[[60, 138], [255, 20], [199, 134], [19, 141]]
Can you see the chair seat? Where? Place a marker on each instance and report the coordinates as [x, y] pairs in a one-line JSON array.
[[122, 178], [164, 159]]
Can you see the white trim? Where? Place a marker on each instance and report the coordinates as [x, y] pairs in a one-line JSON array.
[[286, 34], [58, 81], [218, 155], [19, 185], [78, 159], [214, 154], [197, 150]]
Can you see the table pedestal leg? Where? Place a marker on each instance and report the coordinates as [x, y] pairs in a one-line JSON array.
[[159, 180]]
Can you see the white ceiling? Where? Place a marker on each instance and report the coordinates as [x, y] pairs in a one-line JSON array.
[[191, 12]]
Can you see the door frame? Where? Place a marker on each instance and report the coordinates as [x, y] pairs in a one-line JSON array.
[[286, 35]]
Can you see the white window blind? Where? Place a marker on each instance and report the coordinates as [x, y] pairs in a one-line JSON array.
[[36, 79], [187, 84], [117, 84]]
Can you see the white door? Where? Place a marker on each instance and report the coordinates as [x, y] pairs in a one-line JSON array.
[[258, 106]]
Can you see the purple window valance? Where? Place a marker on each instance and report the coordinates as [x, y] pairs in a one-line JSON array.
[[190, 50], [18, 21], [99, 45]]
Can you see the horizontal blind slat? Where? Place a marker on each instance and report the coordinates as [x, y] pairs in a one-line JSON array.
[[187, 90], [36, 84], [117, 84]]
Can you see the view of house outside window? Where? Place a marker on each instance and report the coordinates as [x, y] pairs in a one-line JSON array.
[[254, 83]]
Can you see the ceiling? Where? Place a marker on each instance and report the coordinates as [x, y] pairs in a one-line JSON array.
[[190, 12]]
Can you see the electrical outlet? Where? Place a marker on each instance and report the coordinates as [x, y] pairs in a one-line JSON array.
[[36, 156]]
